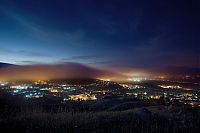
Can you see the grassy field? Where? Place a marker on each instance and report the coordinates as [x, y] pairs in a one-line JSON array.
[[116, 116]]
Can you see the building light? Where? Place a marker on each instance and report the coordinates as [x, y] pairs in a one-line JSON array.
[[3, 83]]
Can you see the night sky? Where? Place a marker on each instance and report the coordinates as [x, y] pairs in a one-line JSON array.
[[100, 33]]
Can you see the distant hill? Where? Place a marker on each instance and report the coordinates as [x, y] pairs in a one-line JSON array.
[[178, 71], [75, 81], [3, 65]]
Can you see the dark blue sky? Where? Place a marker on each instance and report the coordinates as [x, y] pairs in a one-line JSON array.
[[111, 33]]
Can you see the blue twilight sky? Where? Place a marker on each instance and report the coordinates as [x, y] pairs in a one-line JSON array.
[[111, 33]]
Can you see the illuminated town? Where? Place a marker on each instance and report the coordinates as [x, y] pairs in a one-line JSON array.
[[99, 89]]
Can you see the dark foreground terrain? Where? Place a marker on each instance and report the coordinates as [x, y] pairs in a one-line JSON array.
[[110, 115]]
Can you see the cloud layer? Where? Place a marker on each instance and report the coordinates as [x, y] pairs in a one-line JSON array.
[[68, 70], [76, 70]]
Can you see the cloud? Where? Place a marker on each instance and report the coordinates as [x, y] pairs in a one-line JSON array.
[[82, 57], [68, 70], [28, 62], [94, 60], [32, 53], [76, 70], [25, 52], [45, 33], [172, 71]]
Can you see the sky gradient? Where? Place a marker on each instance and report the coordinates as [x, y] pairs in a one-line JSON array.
[[114, 34]]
